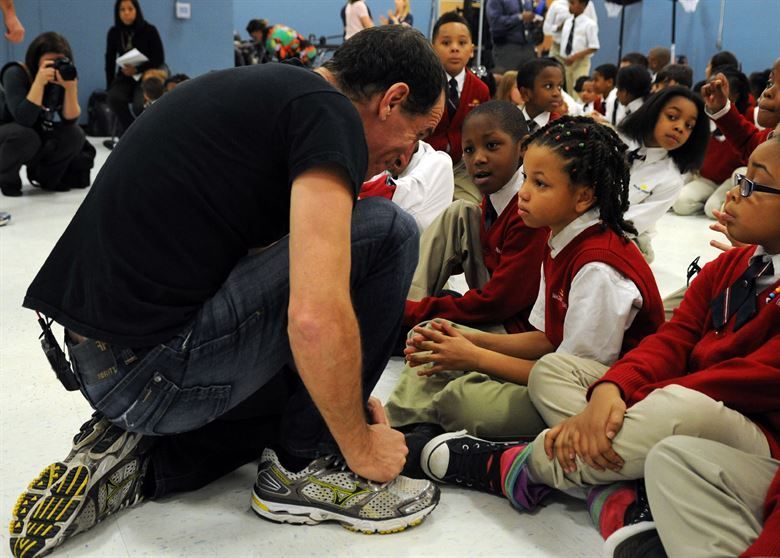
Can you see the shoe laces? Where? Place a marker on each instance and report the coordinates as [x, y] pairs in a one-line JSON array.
[[477, 463]]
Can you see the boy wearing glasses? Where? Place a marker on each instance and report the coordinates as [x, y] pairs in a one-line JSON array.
[[694, 409]]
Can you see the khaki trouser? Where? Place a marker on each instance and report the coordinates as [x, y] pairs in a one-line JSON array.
[[672, 301], [558, 385], [702, 194], [449, 246], [707, 498], [579, 68], [469, 401], [465, 189]]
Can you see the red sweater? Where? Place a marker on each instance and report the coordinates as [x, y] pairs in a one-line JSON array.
[[741, 133], [740, 369], [722, 156], [446, 137], [513, 255], [600, 245]]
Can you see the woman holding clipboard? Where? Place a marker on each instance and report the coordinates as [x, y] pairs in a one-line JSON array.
[[130, 31]]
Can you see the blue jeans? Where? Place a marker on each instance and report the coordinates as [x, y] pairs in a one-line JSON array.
[[238, 342]]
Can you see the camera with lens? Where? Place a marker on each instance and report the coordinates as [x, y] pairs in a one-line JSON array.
[[66, 68]]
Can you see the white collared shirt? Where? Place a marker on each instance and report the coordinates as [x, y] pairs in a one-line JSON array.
[[586, 34], [602, 302], [611, 104], [558, 13], [541, 119], [460, 79], [501, 199], [575, 108], [654, 185], [424, 189]]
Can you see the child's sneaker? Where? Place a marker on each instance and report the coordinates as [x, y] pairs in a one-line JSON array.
[[102, 474], [326, 490], [621, 513]]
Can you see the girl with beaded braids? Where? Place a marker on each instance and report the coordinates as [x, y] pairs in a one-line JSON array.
[[597, 296]]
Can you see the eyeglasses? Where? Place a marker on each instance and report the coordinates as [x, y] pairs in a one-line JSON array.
[[747, 186]]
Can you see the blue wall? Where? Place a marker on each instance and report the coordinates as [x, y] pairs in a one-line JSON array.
[[192, 46], [750, 31]]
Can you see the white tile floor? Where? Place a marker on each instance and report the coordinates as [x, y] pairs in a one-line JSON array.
[[38, 419]]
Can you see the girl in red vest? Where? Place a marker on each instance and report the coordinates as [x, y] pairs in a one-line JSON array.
[[597, 296]]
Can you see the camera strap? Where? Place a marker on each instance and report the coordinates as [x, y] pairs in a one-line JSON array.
[[55, 355]]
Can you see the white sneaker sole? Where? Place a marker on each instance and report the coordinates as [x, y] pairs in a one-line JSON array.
[[304, 515]]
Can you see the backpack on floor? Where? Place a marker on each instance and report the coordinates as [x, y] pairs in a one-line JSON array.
[[101, 120], [78, 173]]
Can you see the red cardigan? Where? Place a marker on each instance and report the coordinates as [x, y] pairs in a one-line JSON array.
[[513, 255], [768, 542], [722, 156], [600, 245], [741, 133], [447, 135], [740, 369]]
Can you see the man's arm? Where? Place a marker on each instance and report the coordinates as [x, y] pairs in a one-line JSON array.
[[323, 329], [14, 28]]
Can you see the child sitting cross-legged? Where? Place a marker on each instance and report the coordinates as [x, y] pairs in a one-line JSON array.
[[597, 297], [695, 409]]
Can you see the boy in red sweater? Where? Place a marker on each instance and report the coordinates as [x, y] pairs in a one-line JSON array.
[[694, 408], [453, 43]]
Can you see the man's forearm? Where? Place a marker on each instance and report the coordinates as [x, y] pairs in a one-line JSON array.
[[326, 345], [7, 7]]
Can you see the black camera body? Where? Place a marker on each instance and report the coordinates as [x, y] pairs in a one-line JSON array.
[[66, 68]]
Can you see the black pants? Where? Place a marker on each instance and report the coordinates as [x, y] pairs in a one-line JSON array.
[[123, 91], [47, 155]]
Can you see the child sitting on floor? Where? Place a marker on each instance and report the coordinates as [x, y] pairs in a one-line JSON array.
[[695, 408], [540, 82], [597, 296]]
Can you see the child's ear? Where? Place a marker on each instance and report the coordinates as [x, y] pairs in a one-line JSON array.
[[525, 94], [585, 198]]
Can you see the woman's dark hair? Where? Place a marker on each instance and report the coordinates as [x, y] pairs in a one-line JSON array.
[[43, 43], [257, 25], [595, 156], [374, 59], [139, 15], [739, 87], [505, 113], [526, 74], [640, 124]]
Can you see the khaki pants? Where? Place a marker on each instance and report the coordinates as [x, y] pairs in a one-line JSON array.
[[449, 246], [579, 68], [469, 401], [558, 385], [707, 498], [703, 195], [672, 301], [465, 189]]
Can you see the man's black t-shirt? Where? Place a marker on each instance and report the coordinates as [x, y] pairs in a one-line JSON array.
[[203, 176]]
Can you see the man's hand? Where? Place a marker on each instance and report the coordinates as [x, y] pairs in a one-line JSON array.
[[442, 345], [14, 29], [379, 456], [527, 16], [716, 93], [589, 435]]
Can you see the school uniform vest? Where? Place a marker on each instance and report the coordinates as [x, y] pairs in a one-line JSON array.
[[447, 135], [600, 245]]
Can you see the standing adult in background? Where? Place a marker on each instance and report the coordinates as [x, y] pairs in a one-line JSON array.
[[356, 18], [14, 31], [401, 16], [233, 259], [130, 31], [556, 16], [39, 118], [508, 20], [657, 59]]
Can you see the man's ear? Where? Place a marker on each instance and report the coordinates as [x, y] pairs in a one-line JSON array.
[[586, 199], [392, 98]]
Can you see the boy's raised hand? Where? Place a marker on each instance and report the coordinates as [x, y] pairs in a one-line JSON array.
[[441, 346], [716, 93], [589, 435]]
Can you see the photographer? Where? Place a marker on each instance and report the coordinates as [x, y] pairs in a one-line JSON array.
[[38, 116]]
